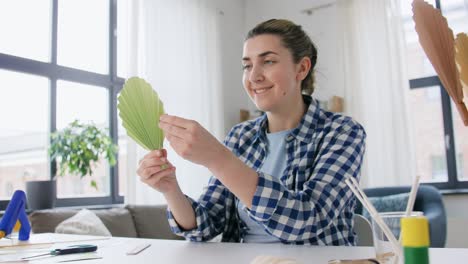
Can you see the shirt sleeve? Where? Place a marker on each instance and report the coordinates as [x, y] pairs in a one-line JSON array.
[[210, 209], [209, 213], [300, 215]]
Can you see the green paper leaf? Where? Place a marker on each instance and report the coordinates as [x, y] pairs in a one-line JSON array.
[[139, 109]]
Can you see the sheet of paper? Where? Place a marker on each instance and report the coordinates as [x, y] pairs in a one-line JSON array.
[[77, 257], [16, 258], [139, 109]]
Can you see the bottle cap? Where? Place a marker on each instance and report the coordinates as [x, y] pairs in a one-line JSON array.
[[415, 231]]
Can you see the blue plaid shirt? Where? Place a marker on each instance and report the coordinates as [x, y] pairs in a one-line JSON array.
[[309, 204]]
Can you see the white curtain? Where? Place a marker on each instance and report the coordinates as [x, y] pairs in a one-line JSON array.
[[175, 47], [376, 86]]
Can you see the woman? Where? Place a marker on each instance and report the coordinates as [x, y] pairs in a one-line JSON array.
[[278, 178]]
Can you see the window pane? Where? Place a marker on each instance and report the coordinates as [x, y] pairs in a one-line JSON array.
[[25, 28], [87, 104], [24, 105], [456, 12], [461, 145], [123, 33], [427, 125], [418, 64], [83, 34]]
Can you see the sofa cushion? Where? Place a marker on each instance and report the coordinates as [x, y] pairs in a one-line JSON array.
[[117, 220], [151, 221], [85, 222], [45, 221]]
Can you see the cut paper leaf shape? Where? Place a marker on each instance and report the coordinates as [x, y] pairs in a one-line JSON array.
[[139, 108], [461, 57], [437, 40]]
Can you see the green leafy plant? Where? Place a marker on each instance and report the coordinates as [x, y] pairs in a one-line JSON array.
[[79, 146]]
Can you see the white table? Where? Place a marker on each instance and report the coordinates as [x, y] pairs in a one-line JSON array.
[[114, 250], [183, 252]]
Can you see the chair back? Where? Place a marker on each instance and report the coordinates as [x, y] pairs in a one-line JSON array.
[[363, 230]]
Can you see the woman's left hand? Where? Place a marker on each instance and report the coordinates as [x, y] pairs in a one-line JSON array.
[[191, 141]]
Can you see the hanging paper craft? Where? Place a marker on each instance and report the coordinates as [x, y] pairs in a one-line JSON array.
[[437, 40], [139, 108], [461, 57]]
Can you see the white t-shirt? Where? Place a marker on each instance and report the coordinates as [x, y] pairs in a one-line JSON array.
[[274, 165]]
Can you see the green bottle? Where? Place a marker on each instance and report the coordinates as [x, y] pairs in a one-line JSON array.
[[415, 239]]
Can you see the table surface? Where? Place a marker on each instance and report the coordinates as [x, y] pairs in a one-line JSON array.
[[171, 251], [114, 250]]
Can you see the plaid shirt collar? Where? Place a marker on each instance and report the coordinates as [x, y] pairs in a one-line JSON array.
[[303, 132]]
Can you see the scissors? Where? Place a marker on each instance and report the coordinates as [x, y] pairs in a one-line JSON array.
[[68, 250]]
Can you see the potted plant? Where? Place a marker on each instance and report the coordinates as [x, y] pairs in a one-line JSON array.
[[79, 146], [76, 148]]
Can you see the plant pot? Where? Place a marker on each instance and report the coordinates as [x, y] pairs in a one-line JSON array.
[[41, 194]]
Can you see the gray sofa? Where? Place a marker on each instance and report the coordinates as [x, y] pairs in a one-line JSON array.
[[130, 221]]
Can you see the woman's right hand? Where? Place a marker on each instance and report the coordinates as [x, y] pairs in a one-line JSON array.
[[155, 170]]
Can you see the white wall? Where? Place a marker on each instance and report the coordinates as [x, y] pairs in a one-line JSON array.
[[232, 17]]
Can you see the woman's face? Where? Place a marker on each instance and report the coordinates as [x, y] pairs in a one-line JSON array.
[[270, 74]]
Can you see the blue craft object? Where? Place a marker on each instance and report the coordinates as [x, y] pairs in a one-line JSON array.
[[16, 211]]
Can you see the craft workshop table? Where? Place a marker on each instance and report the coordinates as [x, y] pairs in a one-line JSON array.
[[113, 250]]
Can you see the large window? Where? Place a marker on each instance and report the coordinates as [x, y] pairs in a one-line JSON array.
[[58, 63], [441, 141], [23, 130]]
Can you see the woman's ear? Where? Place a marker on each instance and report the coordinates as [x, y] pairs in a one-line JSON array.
[[303, 68]]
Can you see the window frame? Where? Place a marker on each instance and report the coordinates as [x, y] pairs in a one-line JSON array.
[[54, 72], [452, 182]]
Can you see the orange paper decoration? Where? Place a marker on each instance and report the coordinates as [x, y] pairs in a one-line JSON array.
[[437, 40]]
